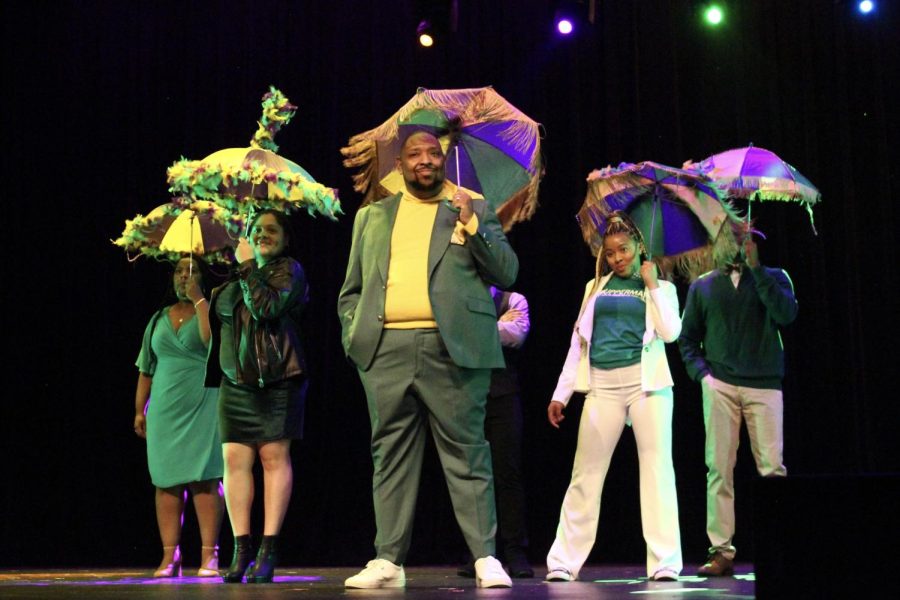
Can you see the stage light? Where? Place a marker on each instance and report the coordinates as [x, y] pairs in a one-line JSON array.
[[424, 31], [713, 15], [569, 16], [437, 21], [866, 6]]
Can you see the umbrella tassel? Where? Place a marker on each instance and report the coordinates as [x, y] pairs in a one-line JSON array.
[[812, 223]]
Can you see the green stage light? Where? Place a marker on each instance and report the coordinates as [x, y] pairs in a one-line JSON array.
[[713, 15]]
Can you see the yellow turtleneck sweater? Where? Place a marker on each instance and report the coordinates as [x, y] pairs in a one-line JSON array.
[[406, 304]]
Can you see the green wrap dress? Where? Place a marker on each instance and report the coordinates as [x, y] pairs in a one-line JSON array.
[[183, 443]]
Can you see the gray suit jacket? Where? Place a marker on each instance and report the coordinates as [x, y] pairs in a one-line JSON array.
[[458, 284]]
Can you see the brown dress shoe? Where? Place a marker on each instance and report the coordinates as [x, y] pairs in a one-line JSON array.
[[717, 565]]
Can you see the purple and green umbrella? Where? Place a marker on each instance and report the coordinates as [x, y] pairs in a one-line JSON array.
[[679, 213], [758, 174], [492, 149]]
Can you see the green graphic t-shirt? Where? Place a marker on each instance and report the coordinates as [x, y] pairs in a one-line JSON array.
[[619, 323]]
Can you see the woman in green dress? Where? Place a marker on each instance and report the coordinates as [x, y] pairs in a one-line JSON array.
[[178, 417]]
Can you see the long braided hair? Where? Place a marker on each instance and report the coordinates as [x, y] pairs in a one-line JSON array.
[[619, 222]]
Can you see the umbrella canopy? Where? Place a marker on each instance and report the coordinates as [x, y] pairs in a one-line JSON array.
[[183, 227], [679, 213], [255, 176], [492, 148], [758, 174]]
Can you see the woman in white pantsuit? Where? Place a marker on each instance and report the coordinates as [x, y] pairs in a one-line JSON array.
[[617, 357]]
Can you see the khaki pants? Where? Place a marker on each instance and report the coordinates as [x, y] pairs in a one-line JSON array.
[[724, 406]]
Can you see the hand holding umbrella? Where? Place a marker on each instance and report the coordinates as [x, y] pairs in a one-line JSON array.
[[650, 274], [461, 202], [750, 252], [244, 251]]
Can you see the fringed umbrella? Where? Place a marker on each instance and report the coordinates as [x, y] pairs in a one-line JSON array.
[[492, 148], [182, 227], [758, 174], [255, 177], [680, 215]]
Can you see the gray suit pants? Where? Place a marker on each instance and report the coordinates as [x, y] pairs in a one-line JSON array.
[[412, 385]]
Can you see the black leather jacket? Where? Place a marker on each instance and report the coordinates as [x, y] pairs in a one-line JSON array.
[[255, 324]]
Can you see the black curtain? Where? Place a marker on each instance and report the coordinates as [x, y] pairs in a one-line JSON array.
[[101, 97]]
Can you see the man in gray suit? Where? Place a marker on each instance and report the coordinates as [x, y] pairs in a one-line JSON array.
[[419, 323]]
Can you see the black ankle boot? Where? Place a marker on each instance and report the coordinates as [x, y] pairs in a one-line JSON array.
[[243, 556], [263, 568]]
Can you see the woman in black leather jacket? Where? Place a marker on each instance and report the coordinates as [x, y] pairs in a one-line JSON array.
[[257, 355]]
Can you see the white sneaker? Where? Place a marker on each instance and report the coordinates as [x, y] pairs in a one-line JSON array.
[[489, 573], [559, 574], [379, 573], [665, 574]]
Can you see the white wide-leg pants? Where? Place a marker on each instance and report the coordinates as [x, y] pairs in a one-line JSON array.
[[615, 398]]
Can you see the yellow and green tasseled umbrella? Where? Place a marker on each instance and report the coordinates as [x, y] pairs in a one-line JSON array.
[[255, 177], [182, 227]]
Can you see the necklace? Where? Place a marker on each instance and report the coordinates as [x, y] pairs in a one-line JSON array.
[[181, 318]]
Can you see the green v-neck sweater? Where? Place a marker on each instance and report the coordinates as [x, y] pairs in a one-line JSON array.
[[733, 333]]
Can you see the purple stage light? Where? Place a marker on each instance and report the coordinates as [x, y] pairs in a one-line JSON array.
[[564, 26]]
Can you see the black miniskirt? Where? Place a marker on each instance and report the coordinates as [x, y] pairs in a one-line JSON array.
[[253, 414]]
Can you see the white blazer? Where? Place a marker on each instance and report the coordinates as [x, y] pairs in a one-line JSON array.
[[663, 325]]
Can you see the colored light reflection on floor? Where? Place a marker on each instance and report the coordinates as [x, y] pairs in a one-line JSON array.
[[681, 579], [85, 578], [678, 587], [670, 590]]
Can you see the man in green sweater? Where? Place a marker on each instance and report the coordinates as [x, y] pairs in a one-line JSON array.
[[730, 342]]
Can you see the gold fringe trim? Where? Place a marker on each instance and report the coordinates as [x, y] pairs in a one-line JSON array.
[[687, 266]]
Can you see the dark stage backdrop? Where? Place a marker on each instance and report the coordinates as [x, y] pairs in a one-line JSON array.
[[101, 97]]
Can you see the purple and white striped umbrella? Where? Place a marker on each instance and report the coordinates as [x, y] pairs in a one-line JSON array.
[[758, 174]]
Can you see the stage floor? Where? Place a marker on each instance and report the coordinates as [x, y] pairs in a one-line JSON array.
[[596, 582]]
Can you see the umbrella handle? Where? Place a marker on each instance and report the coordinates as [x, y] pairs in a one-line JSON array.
[[649, 243], [249, 220], [191, 247], [458, 178]]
